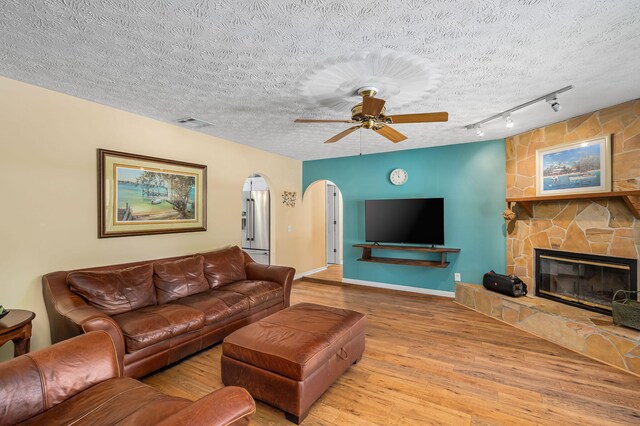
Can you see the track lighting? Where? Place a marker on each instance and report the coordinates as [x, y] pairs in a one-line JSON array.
[[551, 98], [508, 120], [553, 101]]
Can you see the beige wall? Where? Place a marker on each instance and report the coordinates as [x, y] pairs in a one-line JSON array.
[[48, 145], [315, 209]]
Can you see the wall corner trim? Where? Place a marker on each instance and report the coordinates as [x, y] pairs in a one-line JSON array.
[[313, 271]]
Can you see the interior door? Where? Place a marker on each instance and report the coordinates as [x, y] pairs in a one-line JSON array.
[[332, 226]]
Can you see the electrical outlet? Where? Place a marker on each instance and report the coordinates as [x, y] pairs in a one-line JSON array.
[[289, 228], [456, 276]]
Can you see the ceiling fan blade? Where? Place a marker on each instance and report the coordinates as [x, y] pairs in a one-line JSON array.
[[341, 135], [304, 120], [427, 117], [391, 134], [372, 106]]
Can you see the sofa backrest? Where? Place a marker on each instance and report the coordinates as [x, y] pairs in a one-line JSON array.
[[225, 266], [179, 278], [37, 381], [115, 291], [231, 261]]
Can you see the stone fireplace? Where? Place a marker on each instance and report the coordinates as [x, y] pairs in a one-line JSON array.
[[586, 228], [581, 280], [602, 227]]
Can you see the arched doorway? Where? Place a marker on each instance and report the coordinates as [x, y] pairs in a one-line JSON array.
[[256, 219], [323, 204]]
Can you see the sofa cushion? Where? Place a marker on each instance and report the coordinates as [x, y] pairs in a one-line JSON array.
[[258, 292], [224, 266], [115, 401], [152, 324], [179, 278], [115, 291], [218, 305]]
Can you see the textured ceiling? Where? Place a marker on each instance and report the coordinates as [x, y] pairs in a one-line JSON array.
[[238, 64]]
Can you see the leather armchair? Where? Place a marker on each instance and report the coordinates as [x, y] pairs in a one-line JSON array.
[[79, 381]]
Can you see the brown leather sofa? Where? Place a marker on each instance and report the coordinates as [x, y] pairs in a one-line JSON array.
[[160, 311], [79, 382]]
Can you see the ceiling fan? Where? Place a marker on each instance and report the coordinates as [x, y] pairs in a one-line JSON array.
[[370, 115]]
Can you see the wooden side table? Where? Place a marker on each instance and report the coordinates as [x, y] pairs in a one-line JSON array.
[[16, 326]]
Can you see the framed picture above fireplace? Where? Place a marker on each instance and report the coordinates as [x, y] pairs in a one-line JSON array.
[[574, 168]]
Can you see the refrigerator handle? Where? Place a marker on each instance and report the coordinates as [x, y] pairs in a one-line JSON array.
[[248, 219], [253, 219]]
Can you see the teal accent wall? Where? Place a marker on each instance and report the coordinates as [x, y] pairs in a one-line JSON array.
[[470, 177]]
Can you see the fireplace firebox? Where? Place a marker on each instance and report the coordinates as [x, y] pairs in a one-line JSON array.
[[584, 280]]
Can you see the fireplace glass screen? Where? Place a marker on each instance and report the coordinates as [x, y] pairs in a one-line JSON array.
[[587, 281]]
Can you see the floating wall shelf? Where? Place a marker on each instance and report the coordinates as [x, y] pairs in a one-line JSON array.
[[527, 202], [366, 255]]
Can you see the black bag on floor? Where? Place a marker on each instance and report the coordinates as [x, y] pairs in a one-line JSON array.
[[505, 284]]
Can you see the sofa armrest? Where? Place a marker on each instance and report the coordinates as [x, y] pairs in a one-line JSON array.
[[279, 274], [37, 381], [89, 319], [227, 406], [69, 313], [107, 324]]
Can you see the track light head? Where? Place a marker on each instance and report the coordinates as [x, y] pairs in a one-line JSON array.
[[553, 101], [508, 120], [479, 131]]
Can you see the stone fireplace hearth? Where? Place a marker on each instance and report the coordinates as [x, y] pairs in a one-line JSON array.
[[589, 333]]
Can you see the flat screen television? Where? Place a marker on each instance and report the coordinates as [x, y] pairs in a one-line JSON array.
[[409, 221]]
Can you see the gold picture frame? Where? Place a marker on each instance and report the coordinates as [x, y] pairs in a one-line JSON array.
[[142, 195]]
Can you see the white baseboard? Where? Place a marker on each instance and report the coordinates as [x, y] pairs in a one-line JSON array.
[[313, 271], [420, 290]]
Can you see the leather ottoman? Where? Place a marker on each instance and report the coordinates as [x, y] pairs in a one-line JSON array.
[[290, 358]]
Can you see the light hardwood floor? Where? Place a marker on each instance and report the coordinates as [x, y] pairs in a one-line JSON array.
[[431, 361], [331, 275]]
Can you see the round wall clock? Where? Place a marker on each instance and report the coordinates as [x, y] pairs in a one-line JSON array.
[[398, 176]]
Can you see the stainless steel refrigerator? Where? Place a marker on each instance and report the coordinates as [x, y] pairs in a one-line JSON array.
[[255, 219]]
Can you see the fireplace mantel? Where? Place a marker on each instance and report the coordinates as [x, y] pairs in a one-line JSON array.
[[527, 202]]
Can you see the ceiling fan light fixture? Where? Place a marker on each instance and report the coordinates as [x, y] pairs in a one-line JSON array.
[[370, 113]]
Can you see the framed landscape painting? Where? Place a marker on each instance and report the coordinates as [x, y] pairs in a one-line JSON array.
[[574, 168], [140, 195]]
